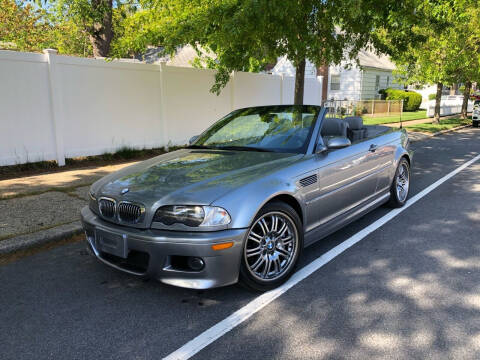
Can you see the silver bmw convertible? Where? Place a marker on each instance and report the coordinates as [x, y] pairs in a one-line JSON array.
[[246, 197]]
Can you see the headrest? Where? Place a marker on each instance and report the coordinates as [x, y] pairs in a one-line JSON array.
[[354, 122], [334, 127]]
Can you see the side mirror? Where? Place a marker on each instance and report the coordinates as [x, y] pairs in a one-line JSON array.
[[320, 149], [338, 142], [193, 139]]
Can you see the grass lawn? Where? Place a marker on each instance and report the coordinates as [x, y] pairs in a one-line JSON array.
[[406, 116], [443, 125]]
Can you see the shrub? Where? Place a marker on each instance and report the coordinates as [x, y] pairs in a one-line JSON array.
[[414, 101], [432, 96], [411, 99]]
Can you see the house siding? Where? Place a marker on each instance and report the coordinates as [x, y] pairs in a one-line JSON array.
[[368, 81], [356, 83], [350, 83], [285, 67]]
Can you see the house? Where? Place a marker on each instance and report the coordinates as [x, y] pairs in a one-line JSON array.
[[350, 81], [347, 81]]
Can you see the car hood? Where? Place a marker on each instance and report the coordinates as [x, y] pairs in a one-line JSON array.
[[190, 176]]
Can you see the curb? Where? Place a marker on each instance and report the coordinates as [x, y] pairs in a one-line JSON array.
[[41, 237], [426, 136]]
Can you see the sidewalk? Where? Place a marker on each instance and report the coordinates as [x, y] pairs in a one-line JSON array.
[[43, 208], [420, 121], [412, 122]]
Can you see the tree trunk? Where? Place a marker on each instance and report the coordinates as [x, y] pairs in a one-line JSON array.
[[438, 98], [101, 33], [323, 71], [299, 82], [453, 89], [466, 96]]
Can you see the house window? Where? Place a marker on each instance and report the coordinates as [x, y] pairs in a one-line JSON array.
[[377, 82], [335, 82], [388, 81]]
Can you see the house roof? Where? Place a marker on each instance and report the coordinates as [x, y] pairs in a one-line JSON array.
[[368, 58], [285, 67], [183, 57], [186, 55]]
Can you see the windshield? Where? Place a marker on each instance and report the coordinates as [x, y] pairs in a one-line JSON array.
[[283, 128]]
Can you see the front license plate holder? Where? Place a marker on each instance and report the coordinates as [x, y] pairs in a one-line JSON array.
[[114, 244]]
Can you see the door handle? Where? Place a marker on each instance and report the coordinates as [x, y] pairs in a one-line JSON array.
[[373, 147]]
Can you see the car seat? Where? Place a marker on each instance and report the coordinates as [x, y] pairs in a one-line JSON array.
[[334, 127], [355, 131]]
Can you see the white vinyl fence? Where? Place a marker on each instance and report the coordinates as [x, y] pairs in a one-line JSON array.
[[55, 107], [449, 105]]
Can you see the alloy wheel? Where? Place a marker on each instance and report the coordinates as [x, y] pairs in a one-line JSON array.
[[271, 246], [402, 182]]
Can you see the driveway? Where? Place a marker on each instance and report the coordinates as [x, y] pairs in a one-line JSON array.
[[408, 290]]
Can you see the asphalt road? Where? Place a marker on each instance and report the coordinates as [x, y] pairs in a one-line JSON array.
[[411, 289]]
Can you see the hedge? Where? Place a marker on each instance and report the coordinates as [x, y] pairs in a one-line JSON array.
[[411, 99]]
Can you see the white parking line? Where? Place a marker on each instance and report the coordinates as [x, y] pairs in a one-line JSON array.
[[242, 314]]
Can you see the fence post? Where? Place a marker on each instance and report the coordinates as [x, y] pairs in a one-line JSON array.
[[388, 107], [163, 102], [55, 105], [232, 91], [281, 89], [373, 106], [320, 88]]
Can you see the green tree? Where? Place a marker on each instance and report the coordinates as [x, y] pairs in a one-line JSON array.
[[75, 21], [23, 28], [467, 41], [237, 31], [439, 44]]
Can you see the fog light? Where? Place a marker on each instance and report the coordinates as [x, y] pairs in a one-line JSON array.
[[195, 263]]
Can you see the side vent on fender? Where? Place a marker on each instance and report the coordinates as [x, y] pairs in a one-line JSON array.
[[309, 180]]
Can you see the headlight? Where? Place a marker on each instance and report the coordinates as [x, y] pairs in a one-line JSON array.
[[192, 216], [92, 204]]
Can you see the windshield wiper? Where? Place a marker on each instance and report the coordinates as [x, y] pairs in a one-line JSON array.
[[243, 148]]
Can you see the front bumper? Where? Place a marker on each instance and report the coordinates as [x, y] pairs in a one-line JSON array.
[[154, 252]]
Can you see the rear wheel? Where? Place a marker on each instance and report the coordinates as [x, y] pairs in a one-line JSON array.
[[272, 247], [400, 185]]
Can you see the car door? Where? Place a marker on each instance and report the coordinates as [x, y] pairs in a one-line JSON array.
[[346, 178], [383, 158]]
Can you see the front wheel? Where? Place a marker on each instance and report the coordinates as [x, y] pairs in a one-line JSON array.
[[272, 247], [400, 185]]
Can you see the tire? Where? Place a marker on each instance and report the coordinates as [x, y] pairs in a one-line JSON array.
[[268, 239], [475, 124], [398, 198]]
